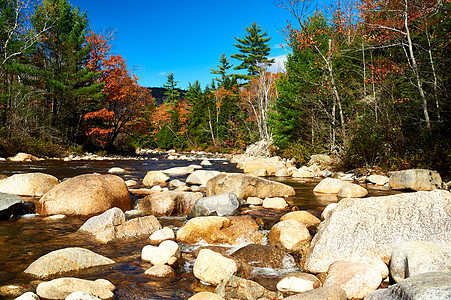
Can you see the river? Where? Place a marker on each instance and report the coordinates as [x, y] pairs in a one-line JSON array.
[[23, 240]]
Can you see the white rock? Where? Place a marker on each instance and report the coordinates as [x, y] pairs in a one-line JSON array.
[[212, 267], [116, 170], [205, 162], [161, 235], [168, 252], [81, 296], [28, 296], [275, 203]]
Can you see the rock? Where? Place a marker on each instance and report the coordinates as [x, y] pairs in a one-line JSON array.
[[303, 217], [381, 266], [205, 162], [66, 260], [323, 160], [433, 285], [346, 177], [28, 296], [116, 170], [88, 194], [302, 174], [62, 287], [265, 256], [212, 267], [321, 293], [413, 258], [259, 173], [254, 201], [169, 203], [416, 180], [328, 211], [28, 184], [111, 226], [10, 205], [130, 183], [178, 171], [225, 204], [206, 296], [282, 173], [12, 291], [329, 186], [161, 271], [81, 296], [362, 229], [356, 279], [238, 288], [23, 157], [378, 179], [271, 165], [298, 283], [176, 183], [352, 190], [245, 186], [161, 235], [275, 203], [201, 177], [219, 230], [168, 252], [290, 236], [154, 178]]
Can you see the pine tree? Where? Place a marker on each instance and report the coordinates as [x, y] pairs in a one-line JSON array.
[[172, 93], [254, 51], [225, 80]]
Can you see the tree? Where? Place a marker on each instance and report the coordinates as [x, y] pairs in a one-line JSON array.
[[172, 93], [254, 51], [225, 80]]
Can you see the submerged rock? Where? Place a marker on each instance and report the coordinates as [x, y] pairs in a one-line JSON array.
[[265, 256], [88, 194], [66, 260]]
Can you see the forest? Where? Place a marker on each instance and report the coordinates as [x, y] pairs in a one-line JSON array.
[[365, 81]]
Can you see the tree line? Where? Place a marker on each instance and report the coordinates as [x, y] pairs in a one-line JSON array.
[[365, 81]]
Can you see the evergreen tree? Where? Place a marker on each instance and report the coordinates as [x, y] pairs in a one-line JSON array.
[[254, 51], [225, 80], [172, 93], [70, 88]]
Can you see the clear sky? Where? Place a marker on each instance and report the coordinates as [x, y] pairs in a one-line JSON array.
[[185, 37]]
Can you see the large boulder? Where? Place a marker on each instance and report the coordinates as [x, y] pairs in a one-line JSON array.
[[434, 285], [271, 165], [416, 180], [416, 257], [290, 236], [356, 279], [88, 194], [66, 260], [201, 177], [24, 157], [28, 184], [111, 226], [265, 256], [245, 186], [169, 203], [213, 267], [220, 230], [225, 204], [10, 205], [329, 186], [154, 178], [362, 229], [62, 287]]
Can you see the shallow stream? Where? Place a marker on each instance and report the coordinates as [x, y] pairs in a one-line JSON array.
[[26, 239]]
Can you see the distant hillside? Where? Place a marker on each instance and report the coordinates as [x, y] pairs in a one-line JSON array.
[[158, 94]]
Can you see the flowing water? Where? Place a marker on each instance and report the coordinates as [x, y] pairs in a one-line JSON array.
[[24, 240]]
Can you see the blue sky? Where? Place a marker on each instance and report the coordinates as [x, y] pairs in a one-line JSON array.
[[185, 37]]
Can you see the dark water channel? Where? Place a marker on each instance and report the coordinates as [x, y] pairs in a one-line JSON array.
[[24, 240]]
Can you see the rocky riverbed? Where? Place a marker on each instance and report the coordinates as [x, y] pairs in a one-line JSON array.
[[183, 228]]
